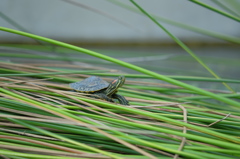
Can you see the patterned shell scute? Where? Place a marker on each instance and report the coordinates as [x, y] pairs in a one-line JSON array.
[[90, 84]]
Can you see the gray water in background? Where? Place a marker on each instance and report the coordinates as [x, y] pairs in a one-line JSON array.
[[223, 60]]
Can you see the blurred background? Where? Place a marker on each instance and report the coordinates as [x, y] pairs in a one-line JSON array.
[[103, 21], [116, 28]]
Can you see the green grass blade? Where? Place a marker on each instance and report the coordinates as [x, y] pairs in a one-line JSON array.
[[180, 43], [216, 10], [15, 24], [28, 156], [226, 8]]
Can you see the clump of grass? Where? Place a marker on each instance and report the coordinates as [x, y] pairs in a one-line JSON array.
[[41, 117]]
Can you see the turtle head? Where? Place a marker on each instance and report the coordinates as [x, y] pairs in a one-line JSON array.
[[114, 85]]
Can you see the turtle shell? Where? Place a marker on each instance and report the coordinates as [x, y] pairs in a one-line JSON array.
[[90, 84]]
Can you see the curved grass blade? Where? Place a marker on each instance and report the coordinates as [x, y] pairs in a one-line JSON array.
[[216, 10], [125, 64], [223, 6], [15, 24], [180, 43]]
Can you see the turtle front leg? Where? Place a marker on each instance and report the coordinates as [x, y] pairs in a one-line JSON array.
[[122, 100], [103, 97]]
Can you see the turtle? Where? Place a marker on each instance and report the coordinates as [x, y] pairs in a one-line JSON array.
[[100, 88]]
